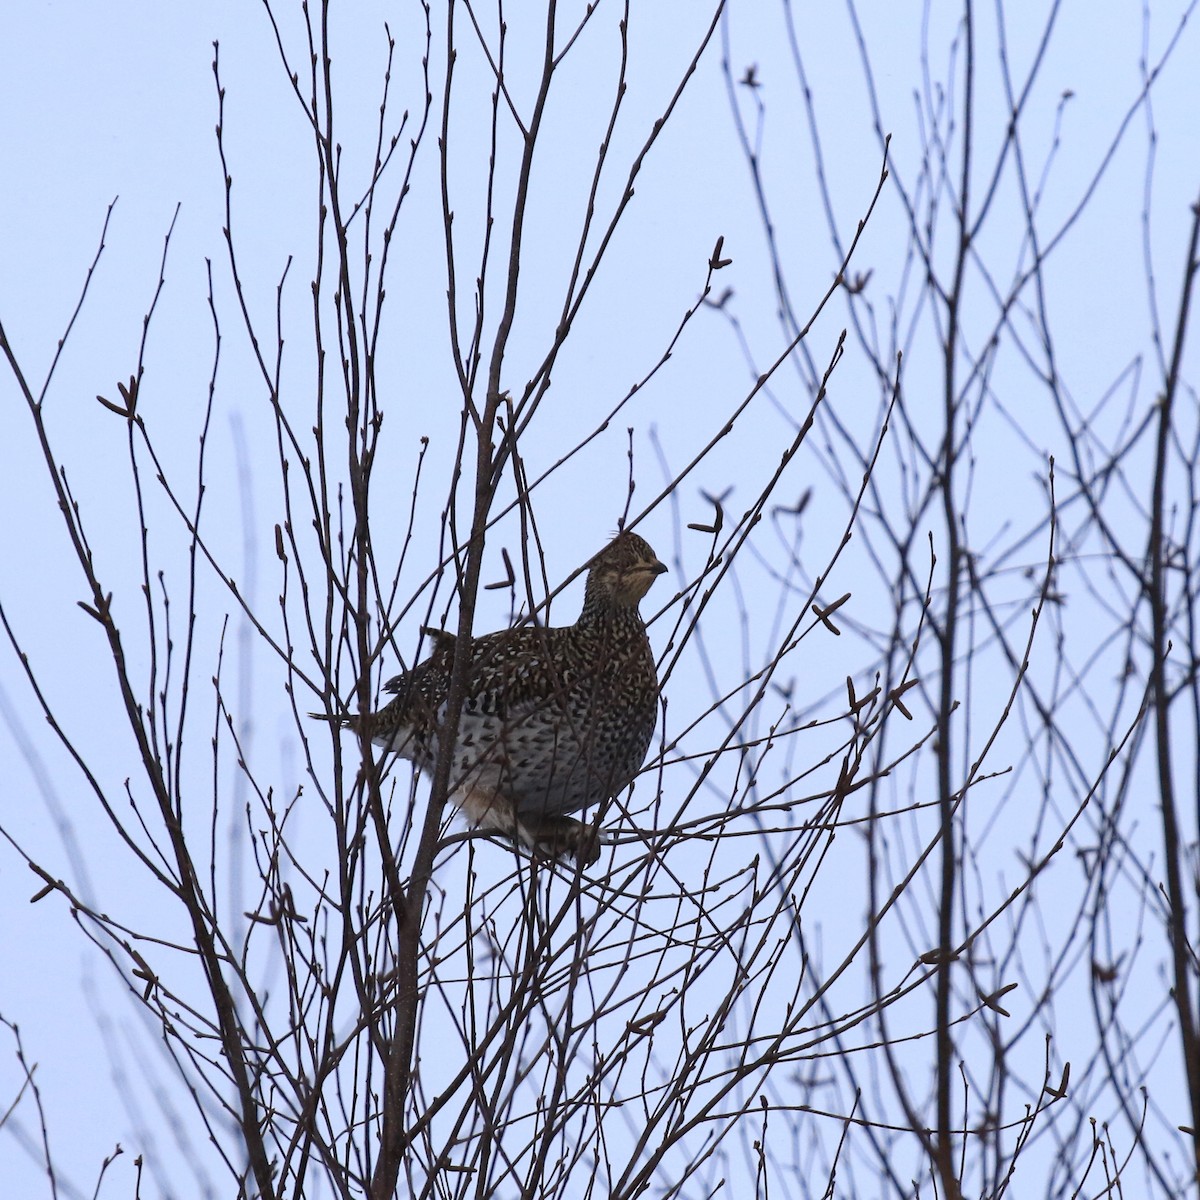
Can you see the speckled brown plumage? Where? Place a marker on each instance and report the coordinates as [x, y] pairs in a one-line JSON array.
[[554, 720]]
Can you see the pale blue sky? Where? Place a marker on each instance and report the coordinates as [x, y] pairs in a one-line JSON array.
[[119, 102]]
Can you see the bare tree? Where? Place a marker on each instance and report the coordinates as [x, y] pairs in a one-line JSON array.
[[955, 1088], [887, 787]]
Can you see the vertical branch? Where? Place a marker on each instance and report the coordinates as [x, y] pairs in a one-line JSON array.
[[948, 638], [488, 462], [1175, 851]]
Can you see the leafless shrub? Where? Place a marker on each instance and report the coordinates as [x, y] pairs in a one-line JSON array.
[[794, 964]]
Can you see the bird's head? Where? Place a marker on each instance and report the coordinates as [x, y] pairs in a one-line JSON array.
[[621, 574]]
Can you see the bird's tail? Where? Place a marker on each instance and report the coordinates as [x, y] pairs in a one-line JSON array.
[[338, 722]]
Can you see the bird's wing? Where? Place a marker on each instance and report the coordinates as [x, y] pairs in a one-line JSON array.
[[514, 672], [519, 671]]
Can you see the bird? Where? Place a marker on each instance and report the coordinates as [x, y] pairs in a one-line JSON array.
[[554, 720]]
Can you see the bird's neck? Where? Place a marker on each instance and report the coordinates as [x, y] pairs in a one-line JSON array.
[[601, 613]]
